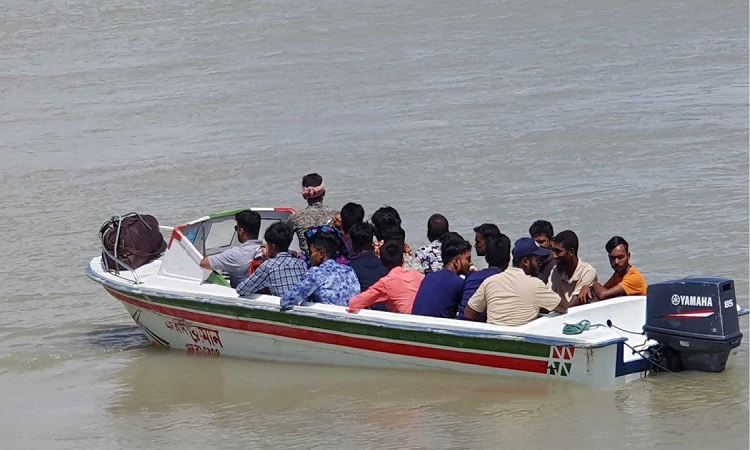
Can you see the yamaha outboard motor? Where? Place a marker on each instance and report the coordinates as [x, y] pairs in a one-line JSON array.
[[695, 321]]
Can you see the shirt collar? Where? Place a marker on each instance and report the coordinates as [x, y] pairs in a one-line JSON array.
[[576, 273]]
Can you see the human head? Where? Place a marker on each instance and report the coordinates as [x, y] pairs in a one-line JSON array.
[[619, 255], [392, 254], [313, 188], [323, 246], [456, 253], [498, 250], [386, 216], [565, 249], [248, 225], [392, 233], [481, 233], [351, 214], [526, 254], [437, 225], [278, 237], [361, 235], [542, 232]]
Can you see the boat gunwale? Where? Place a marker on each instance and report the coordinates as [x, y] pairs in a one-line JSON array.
[[311, 312]]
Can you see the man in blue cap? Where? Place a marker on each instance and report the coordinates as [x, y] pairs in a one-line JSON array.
[[515, 296]]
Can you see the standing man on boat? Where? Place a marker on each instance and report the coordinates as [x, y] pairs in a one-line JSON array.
[[570, 274], [429, 255], [627, 280], [316, 213], [515, 297], [236, 260], [440, 293], [280, 271], [542, 232]]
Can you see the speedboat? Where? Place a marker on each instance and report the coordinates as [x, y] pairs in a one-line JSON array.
[[179, 305]]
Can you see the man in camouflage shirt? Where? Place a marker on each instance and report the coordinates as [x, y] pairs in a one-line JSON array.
[[316, 213]]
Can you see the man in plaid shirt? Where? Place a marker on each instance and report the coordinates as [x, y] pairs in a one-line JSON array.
[[281, 271]]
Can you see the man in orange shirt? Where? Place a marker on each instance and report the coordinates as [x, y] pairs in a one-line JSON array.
[[626, 280], [397, 289]]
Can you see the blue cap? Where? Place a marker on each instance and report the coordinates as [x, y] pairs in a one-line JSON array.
[[527, 247]]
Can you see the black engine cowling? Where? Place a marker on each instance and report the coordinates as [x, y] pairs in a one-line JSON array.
[[695, 321]]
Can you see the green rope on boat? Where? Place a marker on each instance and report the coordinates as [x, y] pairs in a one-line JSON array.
[[580, 327]]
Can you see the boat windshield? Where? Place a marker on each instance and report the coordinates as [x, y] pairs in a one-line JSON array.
[[216, 234]]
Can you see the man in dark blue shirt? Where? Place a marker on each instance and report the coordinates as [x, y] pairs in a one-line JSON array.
[[497, 255], [440, 293], [366, 265]]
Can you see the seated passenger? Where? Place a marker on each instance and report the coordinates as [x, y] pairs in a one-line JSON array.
[[516, 296], [316, 213], [429, 255], [626, 280], [327, 281], [440, 292], [351, 214], [236, 260], [397, 289], [497, 256], [366, 265], [280, 271], [570, 274], [481, 233], [387, 224], [542, 232]]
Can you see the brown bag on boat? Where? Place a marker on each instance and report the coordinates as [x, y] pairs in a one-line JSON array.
[[133, 239]]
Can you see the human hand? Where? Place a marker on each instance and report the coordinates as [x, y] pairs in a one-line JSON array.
[[376, 247], [585, 295], [336, 221]]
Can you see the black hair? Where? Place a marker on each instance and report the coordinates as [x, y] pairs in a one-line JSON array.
[[279, 234], [329, 242], [487, 229], [361, 235], [437, 225], [541, 227], [312, 180], [385, 216], [392, 254], [498, 250], [351, 214], [391, 233], [568, 240], [452, 246], [614, 242], [249, 221], [517, 260]]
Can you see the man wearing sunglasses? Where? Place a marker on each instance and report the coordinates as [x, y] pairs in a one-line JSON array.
[[236, 260]]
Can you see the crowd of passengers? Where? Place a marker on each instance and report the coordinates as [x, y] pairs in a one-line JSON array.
[[350, 262]]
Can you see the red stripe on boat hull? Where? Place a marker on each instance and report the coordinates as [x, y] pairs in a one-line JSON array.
[[477, 359]]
